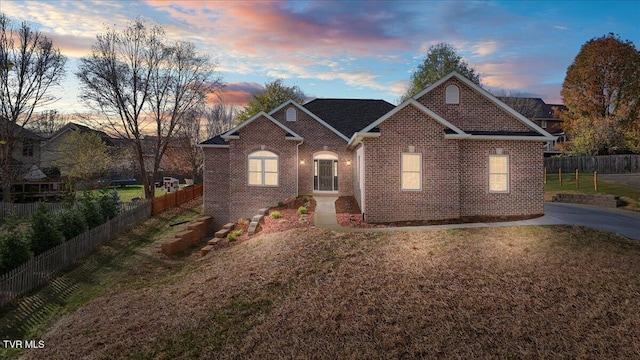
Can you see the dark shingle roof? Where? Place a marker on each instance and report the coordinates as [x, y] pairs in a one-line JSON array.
[[532, 108], [499, 133], [216, 140], [348, 115]]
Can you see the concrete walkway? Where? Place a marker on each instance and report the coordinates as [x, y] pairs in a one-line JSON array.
[[623, 222]]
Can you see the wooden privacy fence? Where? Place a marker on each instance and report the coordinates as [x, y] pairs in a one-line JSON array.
[[603, 164], [40, 269], [177, 198]]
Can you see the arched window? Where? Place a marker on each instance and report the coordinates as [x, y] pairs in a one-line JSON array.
[[292, 114], [263, 168], [452, 95]]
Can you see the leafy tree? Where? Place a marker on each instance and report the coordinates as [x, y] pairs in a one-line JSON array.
[[274, 94], [441, 59], [145, 85], [83, 155], [30, 67], [44, 231], [602, 94]]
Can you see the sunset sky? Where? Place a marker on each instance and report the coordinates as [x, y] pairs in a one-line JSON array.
[[348, 49]]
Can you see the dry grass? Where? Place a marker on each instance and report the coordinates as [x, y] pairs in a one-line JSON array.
[[526, 292]]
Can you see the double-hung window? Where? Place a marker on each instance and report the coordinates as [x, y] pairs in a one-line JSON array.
[[411, 168], [263, 168], [498, 173]]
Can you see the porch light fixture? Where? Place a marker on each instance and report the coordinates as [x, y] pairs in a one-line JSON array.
[[349, 162], [302, 162]]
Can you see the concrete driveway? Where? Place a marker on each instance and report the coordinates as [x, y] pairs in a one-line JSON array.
[[623, 222]]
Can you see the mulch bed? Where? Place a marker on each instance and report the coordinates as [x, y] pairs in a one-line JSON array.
[[289, 218], [349, 214]]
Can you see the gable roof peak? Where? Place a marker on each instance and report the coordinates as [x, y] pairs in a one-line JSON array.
[[290, 134]]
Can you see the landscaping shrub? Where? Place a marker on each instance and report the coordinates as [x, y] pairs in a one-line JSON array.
[[233, 235], [275, 214], [109, 204], [302, 210], [71, 222], [44, 232], [14, 248]]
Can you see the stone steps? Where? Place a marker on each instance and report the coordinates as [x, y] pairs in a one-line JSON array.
[[218, 237]]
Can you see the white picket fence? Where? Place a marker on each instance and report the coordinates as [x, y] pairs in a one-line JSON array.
[[40, 269]]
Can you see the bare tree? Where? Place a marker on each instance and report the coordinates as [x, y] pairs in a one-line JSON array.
[[47, 123], [219, 118], [201, 125], [29, 68], [144, 85]]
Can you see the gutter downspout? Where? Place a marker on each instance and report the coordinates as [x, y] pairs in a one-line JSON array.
[[298, 166]]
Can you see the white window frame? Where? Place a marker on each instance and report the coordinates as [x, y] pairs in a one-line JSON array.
[[452, 94], [507, 174], [292, 114], [402, 171], [262, 156]]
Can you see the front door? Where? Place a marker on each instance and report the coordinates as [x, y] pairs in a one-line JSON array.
[[325, 175]]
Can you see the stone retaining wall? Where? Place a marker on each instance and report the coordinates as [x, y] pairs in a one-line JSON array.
[[585, 199], [194, 233]]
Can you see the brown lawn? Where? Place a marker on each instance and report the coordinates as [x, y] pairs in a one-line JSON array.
[[526, 292]]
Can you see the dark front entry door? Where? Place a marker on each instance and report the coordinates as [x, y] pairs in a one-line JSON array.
[[325, 172]]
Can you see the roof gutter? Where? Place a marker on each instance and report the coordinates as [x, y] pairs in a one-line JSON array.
[[499, 137], [359, 136]]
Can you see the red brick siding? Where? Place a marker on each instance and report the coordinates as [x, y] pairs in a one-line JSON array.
[[474, 112], [246, 200], [216, 185], [316, 138], [439, 197], [525, 196]]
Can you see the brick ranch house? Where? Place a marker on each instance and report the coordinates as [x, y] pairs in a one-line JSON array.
[[453, 150]]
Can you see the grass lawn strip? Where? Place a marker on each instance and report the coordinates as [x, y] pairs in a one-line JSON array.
[[541, 292], [630, 195]]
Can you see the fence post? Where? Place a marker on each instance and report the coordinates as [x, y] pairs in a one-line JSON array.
[[595, 181], [577, 179], [560, 176]]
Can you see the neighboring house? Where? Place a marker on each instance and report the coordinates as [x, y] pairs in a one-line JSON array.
[[26, 152], [49, 148], [452, 151], [543, 115]]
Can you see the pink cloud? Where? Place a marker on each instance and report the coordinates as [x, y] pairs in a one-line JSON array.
[[239, 93], [254, 28]]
